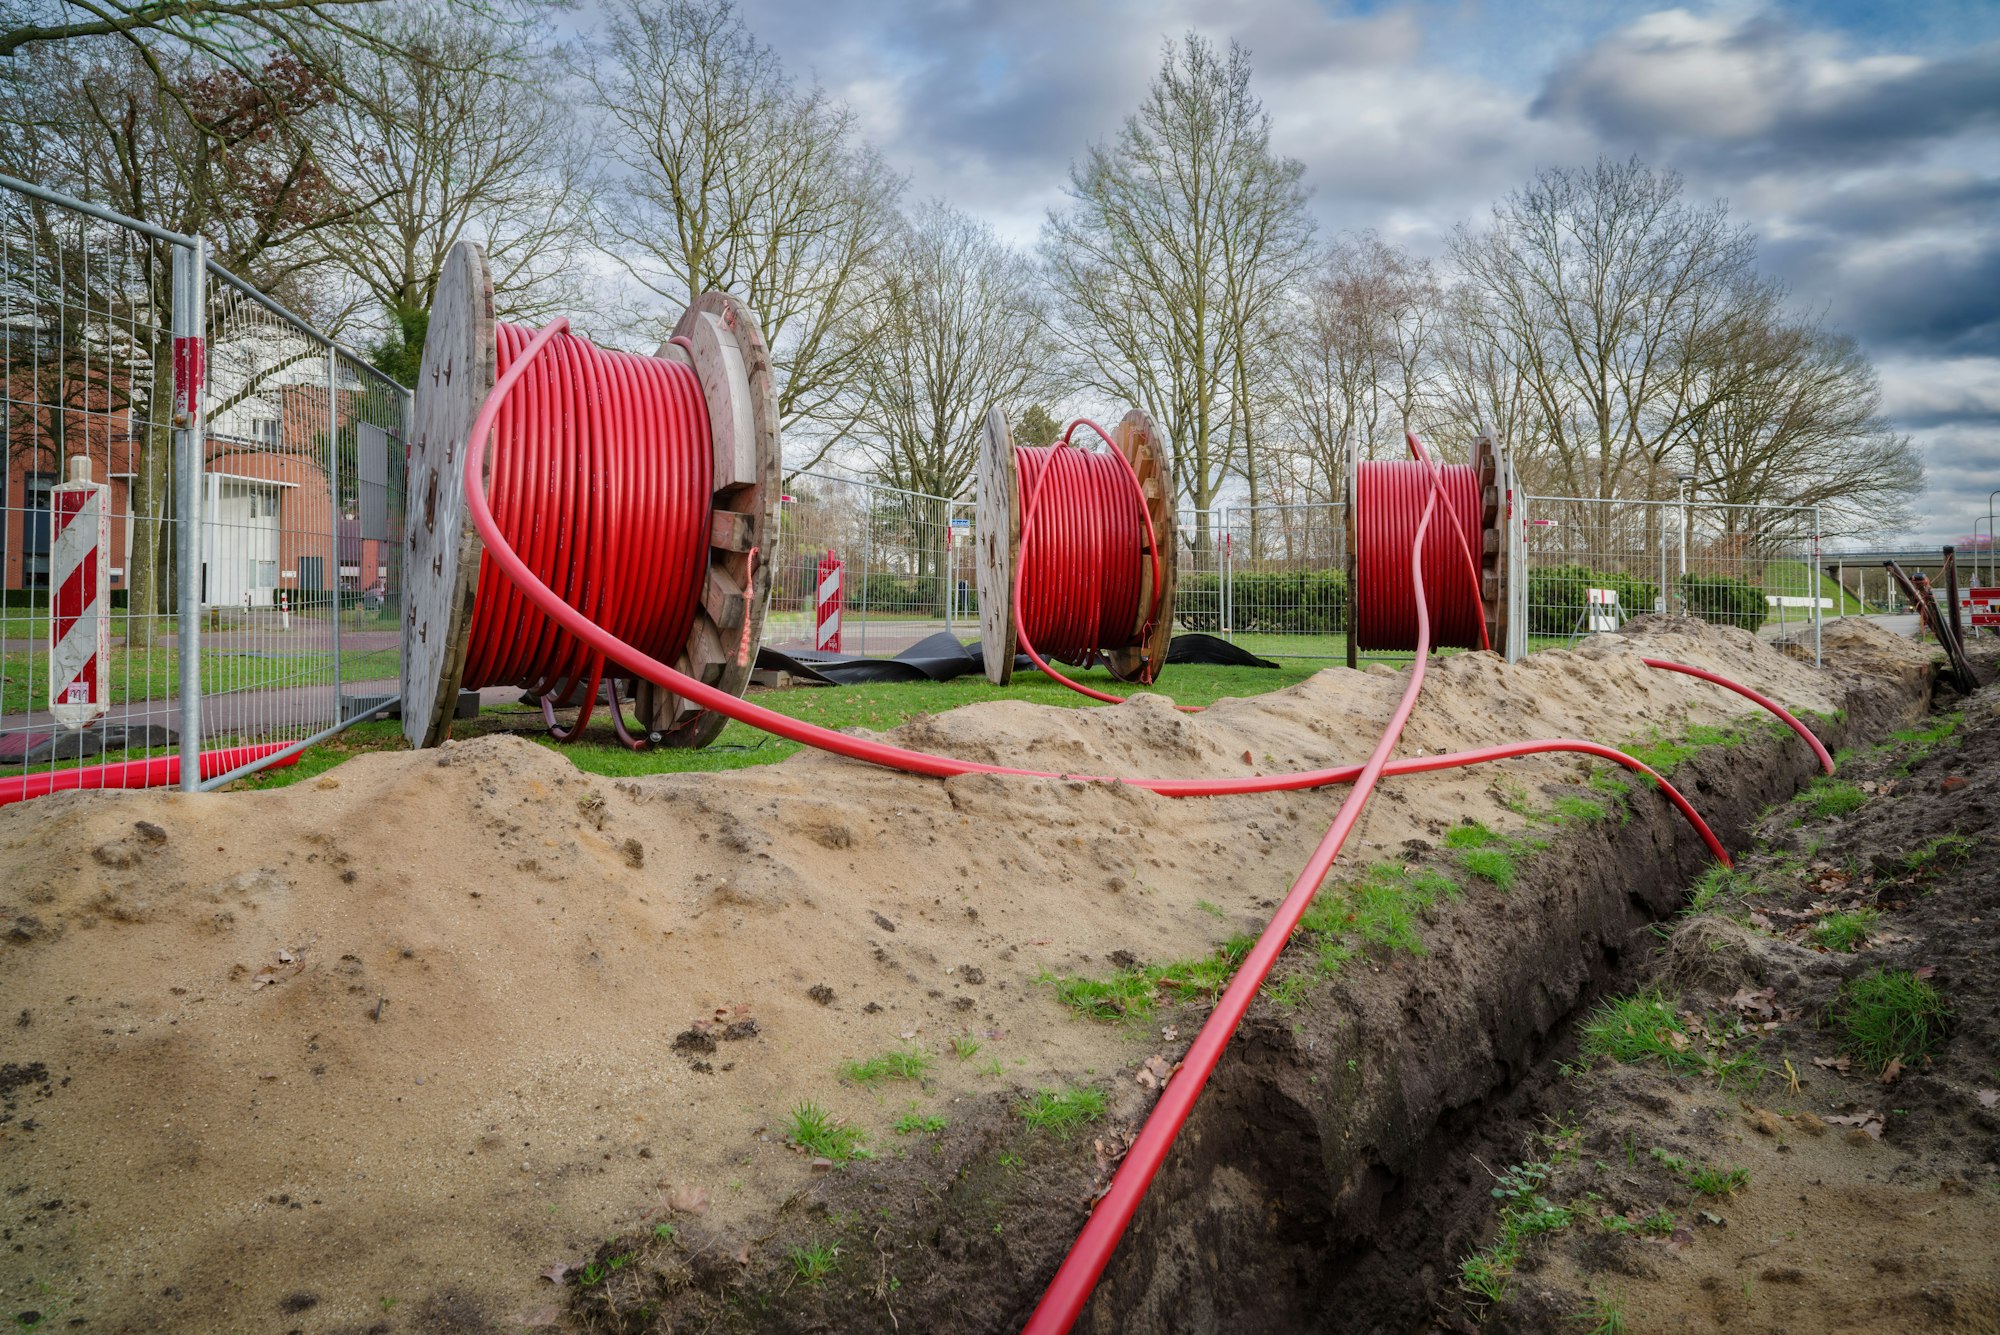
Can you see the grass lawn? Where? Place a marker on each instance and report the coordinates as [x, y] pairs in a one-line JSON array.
[[1794, 579], [877, 707], [155, 674]]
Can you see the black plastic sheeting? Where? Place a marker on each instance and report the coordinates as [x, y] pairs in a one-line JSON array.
[[941, 657]]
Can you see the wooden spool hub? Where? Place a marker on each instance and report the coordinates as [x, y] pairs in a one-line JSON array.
[[730, 359], [1490, 470], [999, 530]]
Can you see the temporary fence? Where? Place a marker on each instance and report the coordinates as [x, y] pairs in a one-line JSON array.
[[249, 471], [1593, 563], [901, 561], [1273, 578]]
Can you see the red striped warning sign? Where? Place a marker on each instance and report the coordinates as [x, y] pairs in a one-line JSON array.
[[80, 608]]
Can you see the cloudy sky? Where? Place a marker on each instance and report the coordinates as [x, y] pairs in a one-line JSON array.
[[1860, 141]]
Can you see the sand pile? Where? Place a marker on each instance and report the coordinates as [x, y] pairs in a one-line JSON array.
[[396, 1040]]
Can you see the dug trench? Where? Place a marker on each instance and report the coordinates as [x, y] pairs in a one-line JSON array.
[[399, 1048], [1323, 1181]]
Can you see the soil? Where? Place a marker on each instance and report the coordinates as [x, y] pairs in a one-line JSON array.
[[401, 1048], [1871, 1190]]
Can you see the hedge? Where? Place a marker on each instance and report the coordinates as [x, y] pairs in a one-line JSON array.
[[1724, 600], [1287, 602], [1558, 595]]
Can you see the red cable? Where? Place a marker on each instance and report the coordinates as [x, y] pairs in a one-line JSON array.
[[1093, 1249], [601, 477], [1086, 585], [1459, 529], [1818, 748], [1388, 498]]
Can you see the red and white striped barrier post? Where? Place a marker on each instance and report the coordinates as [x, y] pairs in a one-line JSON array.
[[827, 605], [80, 604]]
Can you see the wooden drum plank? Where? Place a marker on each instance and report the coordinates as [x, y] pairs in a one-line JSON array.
[[441, 566], [1139, 440], [999, 532]]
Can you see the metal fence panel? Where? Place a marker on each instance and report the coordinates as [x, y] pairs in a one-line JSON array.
[[85, 333], [245, 601], [1286, 579], [1593, 563], [903, 575]]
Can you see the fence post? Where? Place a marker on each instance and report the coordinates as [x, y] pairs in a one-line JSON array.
[[189, 357], [1817, 580], [1226, 581], [333, 519], [867, 548]]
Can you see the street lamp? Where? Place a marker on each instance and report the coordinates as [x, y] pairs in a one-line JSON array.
[[1684, 488], [1989, 533]]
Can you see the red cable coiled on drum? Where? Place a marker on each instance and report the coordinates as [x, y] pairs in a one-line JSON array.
[[601, 478], [1389, 500], [1080, 574]]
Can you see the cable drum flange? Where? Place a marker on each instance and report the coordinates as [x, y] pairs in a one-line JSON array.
[[1138, 651], [718, 340]]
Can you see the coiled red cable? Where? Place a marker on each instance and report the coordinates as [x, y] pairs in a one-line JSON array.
[[1066, 1295], [601, 478], [1079, 555], [1083, 526], [1389, 499]]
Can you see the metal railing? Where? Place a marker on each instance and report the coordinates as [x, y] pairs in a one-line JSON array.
[[252, 470], [905, 558]]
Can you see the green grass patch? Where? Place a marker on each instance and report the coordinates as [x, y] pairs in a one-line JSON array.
[[1647, 1027], [1581, 809], [1133, 993], [1377, 909], [909, 1063], [811, 1264], [1494, 865], [1720, 884], [1939, 856], [1706, 1178], [1891, 1014], [1845, 930], [1061, 1111], [914, 1123], [820, 1134], [1827, 798], [1665, 754], [1472, 834]]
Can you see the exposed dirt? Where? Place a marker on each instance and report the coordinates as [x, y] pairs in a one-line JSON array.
[[375, 1052], [1871, 1189]]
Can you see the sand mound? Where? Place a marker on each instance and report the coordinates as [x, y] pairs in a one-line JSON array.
[[410, 1033]]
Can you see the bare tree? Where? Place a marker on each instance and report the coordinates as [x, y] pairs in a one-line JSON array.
[[1599, 282], [1179, 233], [1361, 364], [958, 328], [446, 142], [734, 177], [1800, 424]]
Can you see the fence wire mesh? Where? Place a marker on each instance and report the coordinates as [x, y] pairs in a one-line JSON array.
[[905, 568], [292, 591], [1593, 564], [85, 334]]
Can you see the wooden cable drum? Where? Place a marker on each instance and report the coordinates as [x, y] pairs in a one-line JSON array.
[[1135, 647], [608, 447]]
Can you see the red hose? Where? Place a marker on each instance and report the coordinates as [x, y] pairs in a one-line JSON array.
[[1093, 1248], [157, 772]]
